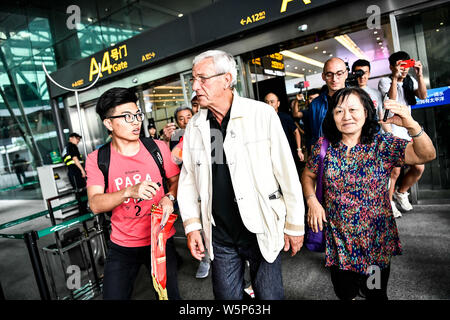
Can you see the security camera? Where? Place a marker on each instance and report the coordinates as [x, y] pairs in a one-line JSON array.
[[302, 28]]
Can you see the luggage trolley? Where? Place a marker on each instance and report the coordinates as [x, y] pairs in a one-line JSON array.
[[79, 243]]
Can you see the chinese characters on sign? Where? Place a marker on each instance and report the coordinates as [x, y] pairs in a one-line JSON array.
[[116, 54], [435, 97]]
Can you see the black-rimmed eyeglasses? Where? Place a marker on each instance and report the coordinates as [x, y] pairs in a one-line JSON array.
[[203, 79], [339, 74], [129, 117]]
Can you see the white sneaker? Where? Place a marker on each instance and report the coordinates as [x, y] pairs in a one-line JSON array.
[[403, 201], [203, 270], [395, 211], [250, 292]]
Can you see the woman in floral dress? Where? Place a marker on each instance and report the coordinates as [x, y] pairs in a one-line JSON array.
[[361, 233]]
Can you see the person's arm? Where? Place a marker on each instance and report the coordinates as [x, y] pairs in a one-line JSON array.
[[296, 113], [99, 201], [78, 164], [188, 196], [392, 93], [298, 141], [165, 203], [421, 91], [316, 214], [420, 150], [283, 169]]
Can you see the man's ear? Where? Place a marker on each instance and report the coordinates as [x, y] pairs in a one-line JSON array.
[[229, 79], [107, 123]]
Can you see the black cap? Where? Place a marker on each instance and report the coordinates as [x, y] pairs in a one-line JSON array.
[[74, 134]]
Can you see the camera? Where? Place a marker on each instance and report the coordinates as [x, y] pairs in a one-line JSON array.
[[352, 79], [300, 85]]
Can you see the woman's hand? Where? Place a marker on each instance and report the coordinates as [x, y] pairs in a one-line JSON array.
[[316, 214], [402, 116]]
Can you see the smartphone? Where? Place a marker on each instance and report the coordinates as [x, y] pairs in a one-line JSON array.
[[408, 63], [386, 112]]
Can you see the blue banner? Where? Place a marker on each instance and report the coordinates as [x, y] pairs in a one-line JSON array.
[[435, 97]]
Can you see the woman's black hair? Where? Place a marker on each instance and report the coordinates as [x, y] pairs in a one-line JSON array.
[[112, 98], [370, 127]]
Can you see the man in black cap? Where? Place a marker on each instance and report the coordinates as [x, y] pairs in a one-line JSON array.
[[72, 158]]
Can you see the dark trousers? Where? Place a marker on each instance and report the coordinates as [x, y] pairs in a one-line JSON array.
[[21, 177], [348, 284], [123, 264], [76, 179], [228, 269]]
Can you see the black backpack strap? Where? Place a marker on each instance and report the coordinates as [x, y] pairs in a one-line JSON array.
[[153, 149], [103, 159]]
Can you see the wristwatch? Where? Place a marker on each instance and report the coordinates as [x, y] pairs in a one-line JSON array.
[[170, 196]]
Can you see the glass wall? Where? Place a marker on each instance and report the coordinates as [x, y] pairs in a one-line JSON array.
[[56, 33], [424, 35]]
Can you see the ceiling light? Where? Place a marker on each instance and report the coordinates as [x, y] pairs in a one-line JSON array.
[[331, 54], [301, 58], [295, 75], [287, 66], [316, 48], [295, 68], [324, 51], [180, 15], [375, 32], [348, 43], [437, 30], [378, 38]]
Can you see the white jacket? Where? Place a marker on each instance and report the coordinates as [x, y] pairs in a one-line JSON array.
[[260, 163]]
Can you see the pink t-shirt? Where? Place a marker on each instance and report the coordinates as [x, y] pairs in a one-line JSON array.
[[131, 221]]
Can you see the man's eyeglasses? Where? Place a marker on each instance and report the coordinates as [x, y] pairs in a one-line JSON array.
[[339, 74], [129, 117], [203, 79]]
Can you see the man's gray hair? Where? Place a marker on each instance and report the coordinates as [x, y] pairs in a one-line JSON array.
[[223, 63], [181, 108]]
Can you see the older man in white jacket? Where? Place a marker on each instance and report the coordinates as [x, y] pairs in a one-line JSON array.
[[238, 184]]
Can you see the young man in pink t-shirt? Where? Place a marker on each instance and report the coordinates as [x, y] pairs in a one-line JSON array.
[[132, 190]]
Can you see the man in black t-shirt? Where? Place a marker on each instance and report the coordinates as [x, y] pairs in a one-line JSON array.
[[72, 158], [290, 130]]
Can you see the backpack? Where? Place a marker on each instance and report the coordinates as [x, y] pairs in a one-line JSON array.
[[104, 156]]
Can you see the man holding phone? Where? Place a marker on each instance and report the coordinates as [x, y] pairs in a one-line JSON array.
[[404, 89], [133, 185]]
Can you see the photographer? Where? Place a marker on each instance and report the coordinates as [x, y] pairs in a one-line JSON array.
[[401, 87], [361, 69]]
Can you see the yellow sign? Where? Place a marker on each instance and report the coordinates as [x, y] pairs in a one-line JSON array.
[[257, 61], [148, 56], [253, 18], [78, 83], [277, 65], [116, 54], [284, 4]]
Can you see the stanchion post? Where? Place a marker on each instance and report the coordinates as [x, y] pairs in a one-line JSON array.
[[83, 210], [2, 295], [30, 239]]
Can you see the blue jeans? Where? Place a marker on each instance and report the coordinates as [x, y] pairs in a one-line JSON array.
[[123, 264], [228, 273]]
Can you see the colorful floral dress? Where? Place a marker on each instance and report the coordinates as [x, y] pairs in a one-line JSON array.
[[361, 230]]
